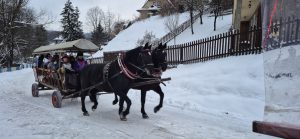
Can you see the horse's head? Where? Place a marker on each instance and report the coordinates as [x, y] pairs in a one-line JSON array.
[[140, 59], [159, 60]]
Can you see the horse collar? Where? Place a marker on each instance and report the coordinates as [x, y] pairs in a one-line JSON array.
[[125, 70], [105, 71]]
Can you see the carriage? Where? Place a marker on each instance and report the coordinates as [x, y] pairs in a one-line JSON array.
[[49, 79]]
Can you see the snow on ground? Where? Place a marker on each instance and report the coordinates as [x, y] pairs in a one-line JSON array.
[[282, 71], [233, 85], [127, 39], [204, 30], [211, 100]]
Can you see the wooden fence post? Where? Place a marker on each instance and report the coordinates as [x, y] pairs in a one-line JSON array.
[[181, 53], [232, 46], [288, 31], [297, 30]]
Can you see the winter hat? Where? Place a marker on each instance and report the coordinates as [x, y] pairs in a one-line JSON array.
[[79, 54]]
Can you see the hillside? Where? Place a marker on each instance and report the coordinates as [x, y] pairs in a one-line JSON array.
[[128, 38], [204, 30]]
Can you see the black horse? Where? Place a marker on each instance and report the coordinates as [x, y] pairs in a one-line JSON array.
[[116, 77], [160, 65]]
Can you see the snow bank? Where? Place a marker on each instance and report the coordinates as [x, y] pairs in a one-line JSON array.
[[233, 86], [204, 30], [128, 38], [282, 73]]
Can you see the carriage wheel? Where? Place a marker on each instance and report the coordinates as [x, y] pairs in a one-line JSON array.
[[56, 99], [35, 90]]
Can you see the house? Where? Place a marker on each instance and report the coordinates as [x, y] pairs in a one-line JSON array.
[[246, 14], [152, 7], [58, 39]]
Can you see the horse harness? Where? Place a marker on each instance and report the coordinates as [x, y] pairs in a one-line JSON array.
[[124, 70]]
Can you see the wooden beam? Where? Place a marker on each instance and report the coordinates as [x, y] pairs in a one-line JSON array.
[[152, 81], [277, 129]]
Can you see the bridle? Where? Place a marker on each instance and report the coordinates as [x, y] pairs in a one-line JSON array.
[[143, 69], [157, 68]]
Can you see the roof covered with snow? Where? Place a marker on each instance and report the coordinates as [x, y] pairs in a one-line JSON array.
[[81, 44], [127, 39]]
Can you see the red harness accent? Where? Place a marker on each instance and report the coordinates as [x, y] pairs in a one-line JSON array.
[[125, 70]]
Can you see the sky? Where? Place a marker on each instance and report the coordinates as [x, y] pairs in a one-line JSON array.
[[126, 9]]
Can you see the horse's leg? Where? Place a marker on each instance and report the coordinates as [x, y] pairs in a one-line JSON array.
[[116, 100], [143, 98], [158, 90], [93, 97], [121, 105], [128, 102], [85, 112]]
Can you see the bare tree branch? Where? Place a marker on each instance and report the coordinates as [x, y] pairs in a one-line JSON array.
[[94, 17], [171, 23]]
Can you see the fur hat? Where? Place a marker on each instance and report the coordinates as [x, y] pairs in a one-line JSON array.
[[65, 56]]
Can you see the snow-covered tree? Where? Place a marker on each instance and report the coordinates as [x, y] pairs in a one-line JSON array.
[[9, 40], [70, 22], [149, 37], [215, 7], [99, 37], [109, 20], [94, 17], [190, 4], [172, 23], [200, 6]]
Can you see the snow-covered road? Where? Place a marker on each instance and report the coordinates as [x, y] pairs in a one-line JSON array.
[[23, 116]]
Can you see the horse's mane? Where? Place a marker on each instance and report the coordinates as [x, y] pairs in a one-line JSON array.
[[133, 53]]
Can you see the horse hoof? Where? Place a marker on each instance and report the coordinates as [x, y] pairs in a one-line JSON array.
[[86, 114], [145, 116], [123, 117], [94, 108], [156, 109], [115, 102]]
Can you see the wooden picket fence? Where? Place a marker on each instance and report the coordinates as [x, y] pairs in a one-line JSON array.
[[283, 32], [96, 60], [218, 46]]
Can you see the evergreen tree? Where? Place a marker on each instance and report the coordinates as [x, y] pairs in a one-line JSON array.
[[99, 37], [41, 36], [78, 25], [70, 23]]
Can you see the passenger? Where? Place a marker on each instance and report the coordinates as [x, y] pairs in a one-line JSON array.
[[70, 77], [40, 61], [73, 63], [80, 63], [35, 61], [54, 64], [66, 64], [46, 60]]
